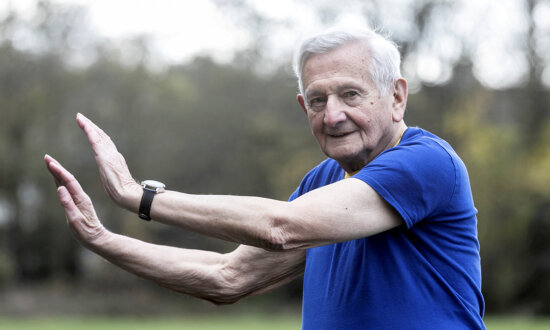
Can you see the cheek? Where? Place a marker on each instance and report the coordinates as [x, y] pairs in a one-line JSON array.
[[376, 113], [315, 122], [364, 119], [371, 121]]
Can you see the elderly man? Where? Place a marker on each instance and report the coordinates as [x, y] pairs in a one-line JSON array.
[[384, 230]]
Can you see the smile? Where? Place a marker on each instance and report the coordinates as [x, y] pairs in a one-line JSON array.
[[338, 135]]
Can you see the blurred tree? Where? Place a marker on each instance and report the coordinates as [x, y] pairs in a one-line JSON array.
[[235, 128], [28, 118]]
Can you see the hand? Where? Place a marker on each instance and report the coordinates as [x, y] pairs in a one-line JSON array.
[[116, 177], [80, 213]]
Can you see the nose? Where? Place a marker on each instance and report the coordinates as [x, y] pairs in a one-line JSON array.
[[334, 112]]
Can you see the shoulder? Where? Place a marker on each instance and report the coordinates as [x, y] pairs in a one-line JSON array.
[[321, 175], [421, 151], [418, 138], [418, 177]]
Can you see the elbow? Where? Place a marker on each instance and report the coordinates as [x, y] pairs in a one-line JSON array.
[[228, 293], [228, 297], [231, 285], [220, 301], [219, 296], [280, 237], [276, 240], [290, 228]]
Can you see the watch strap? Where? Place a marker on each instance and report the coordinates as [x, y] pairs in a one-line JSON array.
[[145, 205]]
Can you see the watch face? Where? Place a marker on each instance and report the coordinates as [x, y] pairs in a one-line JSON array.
[[152, 184]]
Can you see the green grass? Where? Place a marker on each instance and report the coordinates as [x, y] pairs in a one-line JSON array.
[[216, 322], [517, 323], [204, 323]]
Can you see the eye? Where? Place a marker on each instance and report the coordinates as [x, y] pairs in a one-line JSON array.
[[352, 97], [316, 100], [317, 103], [351, 94]]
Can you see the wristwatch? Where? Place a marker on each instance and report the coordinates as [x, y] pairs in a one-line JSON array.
[[150, 189]]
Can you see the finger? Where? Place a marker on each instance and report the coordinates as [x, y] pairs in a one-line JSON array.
[[55, 169], [48, 159], [68, 180], [96, 136], [71, 210], [81, 218], [89, 128]]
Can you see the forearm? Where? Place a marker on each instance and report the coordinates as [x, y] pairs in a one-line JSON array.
[[219, 278], [241, 219], [342, 211], [193, 272]]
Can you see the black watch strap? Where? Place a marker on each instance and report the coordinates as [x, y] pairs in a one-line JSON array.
[[145, 205]]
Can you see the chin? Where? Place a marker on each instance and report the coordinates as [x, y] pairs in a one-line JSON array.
[[342, 157], [351, 158]]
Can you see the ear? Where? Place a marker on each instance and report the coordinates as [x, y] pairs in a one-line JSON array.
[[302, 102], [400, 94]]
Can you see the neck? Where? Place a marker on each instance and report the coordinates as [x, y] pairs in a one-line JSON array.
[[354, 165], [398, 134]]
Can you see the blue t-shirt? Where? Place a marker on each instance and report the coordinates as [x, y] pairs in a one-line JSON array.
[[422, 275]]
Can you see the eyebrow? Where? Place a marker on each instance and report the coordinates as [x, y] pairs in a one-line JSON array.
[[339, 87]]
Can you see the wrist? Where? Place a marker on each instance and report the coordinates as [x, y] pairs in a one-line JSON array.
[[150, 189], [96, 241], [131, 198]]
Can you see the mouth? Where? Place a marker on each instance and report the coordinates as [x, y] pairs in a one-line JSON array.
[[339, 135]]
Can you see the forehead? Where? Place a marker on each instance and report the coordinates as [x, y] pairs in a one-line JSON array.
[[348, 62]]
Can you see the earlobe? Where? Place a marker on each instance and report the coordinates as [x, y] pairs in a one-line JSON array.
[[302, 102]]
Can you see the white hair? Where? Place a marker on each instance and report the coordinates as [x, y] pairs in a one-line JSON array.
[[384, 58]]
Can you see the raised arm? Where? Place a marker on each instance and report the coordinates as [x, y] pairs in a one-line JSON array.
[[342, 211], [219, 278], [346, 210]]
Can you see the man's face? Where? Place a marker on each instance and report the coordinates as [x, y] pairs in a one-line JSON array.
[[349, 118]]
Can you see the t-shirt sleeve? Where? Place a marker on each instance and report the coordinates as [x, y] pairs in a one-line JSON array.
[[417, 179], [325, 173], [295, 194]]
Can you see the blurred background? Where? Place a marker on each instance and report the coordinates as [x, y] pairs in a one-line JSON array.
[[201, 95]]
